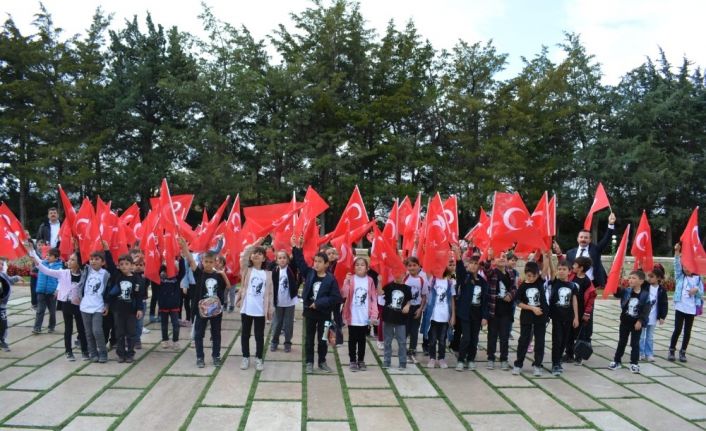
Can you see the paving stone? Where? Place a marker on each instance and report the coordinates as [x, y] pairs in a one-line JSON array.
[[410, 370], [609, 421], [650, 416], [60, 403], [280, 355], [328, 426], [684, 385], [414, 386], [179, 391], [215, 419], [48, 375], [621, 376], [595, 384], [231, 386], [41, 357], [500, 378], [186, 364], [543, 409], [569, 395], [469, 393], [275, 415], [113, 402], [498, 422], [380, 419], [29, 345], [652, 370], [372, 378], [372, 397], [147, 370], [10, 374], [5, 362], [690, 374], [281, 371], [90, 423], [13, 400], [666, 397], [278, 391], [324, 398], [429, 413]]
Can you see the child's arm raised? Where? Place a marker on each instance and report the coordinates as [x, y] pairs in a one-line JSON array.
[[186, 253], [109, 262], [298, 256]]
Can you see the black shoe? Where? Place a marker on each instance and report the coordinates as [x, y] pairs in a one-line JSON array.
[[4, 346], [217, 361], [325, 368], [200, 362], [670, 356], [682, 356], [70, 357]]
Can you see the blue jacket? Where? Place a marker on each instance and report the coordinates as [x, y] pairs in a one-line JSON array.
[[45, 284], [679, 286], [644, 304], [328, 295]]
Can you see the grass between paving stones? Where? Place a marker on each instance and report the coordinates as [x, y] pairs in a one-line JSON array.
[[305, 376], [255, 382], [344, 389]]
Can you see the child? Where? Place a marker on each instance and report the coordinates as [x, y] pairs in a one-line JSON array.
[[126, 294], [359, 309], [688, 292], [6, 283], [471, 308], [515, 276], [233, 279], [169, 300], [533, 317], [502, 291], [320, 296], [46, 299], [564, 311], [440, 312], [67, 294], [93, 290], [139, 270], [395, 299], [585, 299], [255, 301], [285, 299], [658, 312], [420, 289], [635, 305], [209, 283]]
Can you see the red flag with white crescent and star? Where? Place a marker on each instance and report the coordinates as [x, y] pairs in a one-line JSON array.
[[642, 245]]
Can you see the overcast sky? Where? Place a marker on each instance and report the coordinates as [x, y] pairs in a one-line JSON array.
[[620, 33]]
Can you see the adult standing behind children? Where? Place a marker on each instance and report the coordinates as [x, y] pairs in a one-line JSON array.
[[586, 248]]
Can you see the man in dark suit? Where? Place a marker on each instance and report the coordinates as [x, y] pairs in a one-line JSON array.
[[589, 249]]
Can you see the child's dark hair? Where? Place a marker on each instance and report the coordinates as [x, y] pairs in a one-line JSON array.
[[563, 263], [221, 259], [125, 258], [284, 252], [412, 259], [210, 255], [639, 273], [321, 255], [532, 268], [365, 261], [448, 273], [658, 271], [54, 252], [98, 254], [584, 263], [474, 258]]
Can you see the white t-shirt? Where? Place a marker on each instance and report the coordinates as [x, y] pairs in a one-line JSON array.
[[589, 273], [359, 306], [283, 298], [444, 293], [653, 299], [54, 233], [254, 303], [687, 305], [92, 301], [419, 287]]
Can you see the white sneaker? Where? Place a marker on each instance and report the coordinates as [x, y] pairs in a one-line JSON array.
[[491, 365], [472, 365], [516, 371], [650, 358], [381, 345], [459, 366], [537, 372], [259, 364], [145, 330], [635, 369], [443, 364], [245, 364], [504, 366], [431, 363], [166, 344]]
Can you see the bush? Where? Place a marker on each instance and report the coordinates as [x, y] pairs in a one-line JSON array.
[[21, 267]]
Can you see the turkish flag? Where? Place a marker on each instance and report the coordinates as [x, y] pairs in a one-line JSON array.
[[693, 256], [270, 217], [354, 235], [391, 230], [12, 222], [354, 213], [540, 218], [66, 246], [87, 228], [314, 205], [436, 241], [611, 285], [451, 213], [128, 220], [405, 209], [384, 258], [479, 235], [69, 211], [153, 258], [411, 226], [11, 246], [105, 220], [600, 201], [204, 239], [234, 221], [511, 222], [642, 245], [311, 242], [180, 203], [282, 239], [346, 256]]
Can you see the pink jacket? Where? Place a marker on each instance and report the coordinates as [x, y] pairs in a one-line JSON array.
[[347, 293]]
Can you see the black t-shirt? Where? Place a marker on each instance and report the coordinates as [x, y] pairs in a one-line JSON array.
[[505, 286], [396, 297], [315, 285], [631, 310], [209, 284], [563, 293], [583, 284], [129, 292], [534, 295]]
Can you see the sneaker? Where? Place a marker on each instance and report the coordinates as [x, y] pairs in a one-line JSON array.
[[4, 346], [309, 368], [530, 348], [85, 356], [472, 365], [102, 359], [129, 360], [166, 344], [561, 369], [651, 358], [217, 361], [362, 366], [615, 365], [70, 357], [515, 371], [491, 365], [36, 331], [402, 369], [325, 368], [145, 330], [175, 345], [245, 364], [93, 358], [287, 348], [504, 366], [578, 362], [50, 330], [442, 364], [459, 366], [431, 363], [642, 357], [381, 345], [121, 359], [138, 345], [200, 363], [273, 347], [567, 359], [556, 371], [153, 318], [682, 356], [353, 366], [537, 372], [670, 356], [635, 369]]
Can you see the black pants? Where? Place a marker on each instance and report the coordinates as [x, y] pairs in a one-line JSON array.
[[437, 340], [164, 323], [3, 322], [72, 312], [315, 329], [200, 332], [109, 328], [455, 343], [413, 329], [153, 299], [259, 323], [356, 343], [125, 329], [685, 320], [186, 302], [338, 320], [537, 328], [560, 338], [627, 329], [497, 328], [468, 347]]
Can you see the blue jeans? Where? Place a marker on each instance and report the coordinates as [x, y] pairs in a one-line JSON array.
[[139, 326], [647, 341], [45, 301]]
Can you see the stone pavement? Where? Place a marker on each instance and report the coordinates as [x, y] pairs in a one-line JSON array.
[[163, 389]]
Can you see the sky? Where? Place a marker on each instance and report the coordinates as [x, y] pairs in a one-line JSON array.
[[621, 34]]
